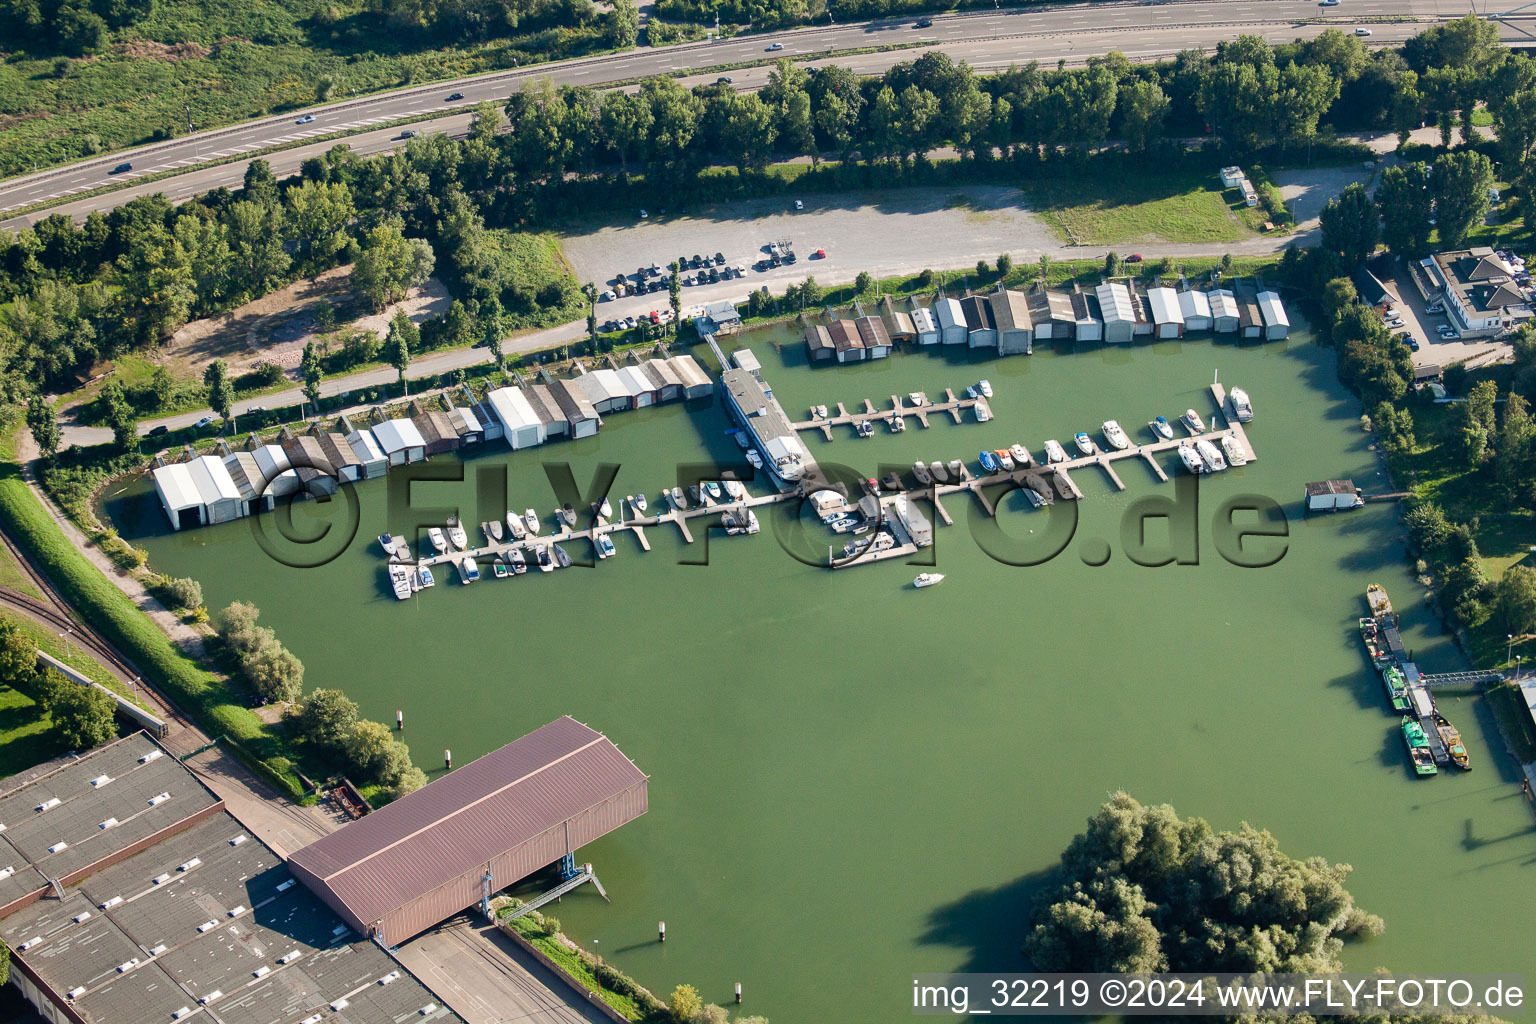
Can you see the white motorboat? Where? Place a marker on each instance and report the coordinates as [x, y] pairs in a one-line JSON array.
[[920, 473], [865, 429], [1236, 453], [531, 519], [1211, 455], [493, 531], [516, 526], [971, 392], [605, 509], [1193, 421], [678, 499], [1054, 452], [821, 411], [1241, 405], [424, 578], [985, 387], [519, 562], [1084, 443], [1021, 456], [754, 459], [1162, 428], [456, 535], [928, 579], [1192, 460], [400, 580], [1004, 460], [917, 398], [469, 572], [604, 546], [639, 504], [562, 559], [545, 560], [735, 489], [940, 473], [388, 544], [713, 490], [438, 540], [898, 424], [1115, 435], [983, 411], [956, 469]]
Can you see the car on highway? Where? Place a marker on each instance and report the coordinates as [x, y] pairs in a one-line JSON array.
[[200, 424], [1327, 3], [928, 22], [409, 133], [723, 80], [159, 431], [306, 119], [120, 168], [454, 96], [1362, 31], [775, 47]]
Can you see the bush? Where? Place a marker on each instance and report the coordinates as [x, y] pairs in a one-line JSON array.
[[268, 666], [684, 1002], [82, 715], [184, 593]]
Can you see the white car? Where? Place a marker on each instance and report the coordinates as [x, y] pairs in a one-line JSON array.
[[775, 47], [1327, 3], [1446, 331], [1362, 31], [607, 296], [799, 205], [643, 215], [200, 424], [1395, 322]]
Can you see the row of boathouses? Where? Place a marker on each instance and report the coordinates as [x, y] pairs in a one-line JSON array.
[[1011, 321], [231, 484]]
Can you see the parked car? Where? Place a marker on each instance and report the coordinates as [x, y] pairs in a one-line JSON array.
[[1395, 322], [644, 215], [1446, 331], [1411, 342], [799, 205], [607, 295], [305, 119], [696, 262], [1134, 257], [819, 254], [200, 424], [121, 168], [455, 96], [775, 47], [720, 258], [159, 431], [1327, 3], [1435, 307]]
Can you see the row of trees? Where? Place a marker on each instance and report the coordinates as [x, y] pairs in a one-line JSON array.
[[328, 724], [82, 716], [1449, 197], [269, 668]]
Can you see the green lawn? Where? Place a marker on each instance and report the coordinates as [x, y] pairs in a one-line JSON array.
[[24, 733], [1176, 207]]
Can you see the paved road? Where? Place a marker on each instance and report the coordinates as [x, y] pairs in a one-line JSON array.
[[986, 40]]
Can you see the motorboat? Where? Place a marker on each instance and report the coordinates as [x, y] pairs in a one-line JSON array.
[[1063, 486], [939, 472], [1041, 490], [735, 489], [604, 546], [865, 429], [917, 398], [988, 461], [562, 559], [898, 424], [928, 579], [713, 490], [920, 472], [493, 531], [1115, 435], [388, 544], [519, 563], [1054, 452], [469, 572], [1241, 406], [499, 570], [1004, 460], [1085, 443], [400, 581], [985, 387], [676, 497], [971, 392], [639, 504], [1021, 456], [516, 526], [456, 535], [983, 410], [956, 469], [531, 519], [1162, 428], [1236, 453], [1211, 455], [437, 539], [1192, 460], [567, 515], [754, 459], [545, 560], [842, 523], [424, 578], [605, 509], [821, 411], [1193, 421]]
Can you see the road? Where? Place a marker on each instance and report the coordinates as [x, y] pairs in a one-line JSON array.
[[986, 40]]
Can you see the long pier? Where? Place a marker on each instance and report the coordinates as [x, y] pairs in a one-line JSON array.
[[900, 409]]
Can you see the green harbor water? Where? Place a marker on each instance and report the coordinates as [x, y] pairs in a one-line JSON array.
[[852, 780]]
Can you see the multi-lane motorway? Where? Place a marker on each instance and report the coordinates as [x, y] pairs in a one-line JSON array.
[[985, 40]]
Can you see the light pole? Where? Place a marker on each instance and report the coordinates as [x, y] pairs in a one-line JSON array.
[[1509, 650], [68, 652]]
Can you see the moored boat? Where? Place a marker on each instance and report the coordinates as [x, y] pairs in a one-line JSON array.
[[519, 562], [864, 429], [985, 387], [898, 424], [1193, 421], [1376, 600], [499, 570], [1211, 455], [562, 559], [1084, 443], [424, 578], [988, 461], [1191, 458], [516, 527], [1241, 406], [921, 474], [545, 560], [400, 581], [928, 579], [1418, 747], [1236, 453], [753, 459], [677, 498], [493, 531], [469, 572], [713, 490], [388, 544], [640, 504], [1451, 737], [1021, 456], [1162, 428], [736, 490], [531, 519], [604, 544], [1063, 487], [1004, 459], [437, 539], [983, 410], [605, 509], [917, 398], [939, 470], [1054, 452], [1115, 435], [956, 469], [1397, 686], [456, 535]]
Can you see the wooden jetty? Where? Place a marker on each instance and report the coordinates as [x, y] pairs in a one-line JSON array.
[[900, 408]]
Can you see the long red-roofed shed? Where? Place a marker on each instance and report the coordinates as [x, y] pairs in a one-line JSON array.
[[420, 860]]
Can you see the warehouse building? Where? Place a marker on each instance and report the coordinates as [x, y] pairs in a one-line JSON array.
[[422, 858], [129, 895]]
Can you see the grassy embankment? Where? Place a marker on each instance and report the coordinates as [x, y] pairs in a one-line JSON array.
[[596, 975], [1178, 206]]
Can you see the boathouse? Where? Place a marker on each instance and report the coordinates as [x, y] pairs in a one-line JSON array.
[[580, 417], [521, 426], [1167, 314], [1085, 307], [669, 386], [877, 343], [425, 857], [696, 383], [273, 467], [925, 324], [818, 343], [1250, 320], [373, 459], [1119, 319], [255, 492], [642, 392], [846, 341], [1225, 315], [1276, 324], [980, 327], [343, 460], [466, 424], [198, 493], [898, 323], [547, 410], [1196, 309], [1141, 307], [436, 431], [1015, 330], [951, 321], [400, 441], [1051, 314]]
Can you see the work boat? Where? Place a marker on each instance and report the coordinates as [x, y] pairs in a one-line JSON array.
[[531, 519], [1241, 405], [1236, 453], [1054, 452], [1418, 747], [1193, 421], [928, 579], [1115, 436], [1085, 443], [1211, 454], [437, 539], [1192, 460], [1162, 428]]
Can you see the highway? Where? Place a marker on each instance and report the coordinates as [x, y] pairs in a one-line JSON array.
[[985, 40]]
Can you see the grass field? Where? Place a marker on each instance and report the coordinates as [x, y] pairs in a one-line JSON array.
[[24, 733], [1178, 207]]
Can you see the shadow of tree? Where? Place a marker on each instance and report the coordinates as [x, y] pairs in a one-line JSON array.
[[990, 923]]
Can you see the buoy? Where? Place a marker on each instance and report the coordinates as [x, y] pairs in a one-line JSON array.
[[661, 931], [400, 720], [738, 993], [448, 759]]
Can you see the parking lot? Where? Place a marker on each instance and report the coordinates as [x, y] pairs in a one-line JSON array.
[[1424, 326]]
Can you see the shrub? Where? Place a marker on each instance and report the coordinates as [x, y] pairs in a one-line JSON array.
[[184, 593], [684, 1002], [82, 715]]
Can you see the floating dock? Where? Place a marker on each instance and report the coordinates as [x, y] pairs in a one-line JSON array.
[[900, 409]]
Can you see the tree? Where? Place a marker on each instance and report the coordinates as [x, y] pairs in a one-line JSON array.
[[1405, 199], [1141, 108], [1004, 265], [1111, 264], [1512, 463], [622, 30], [375, 754], [325, 719], [82, 715], [402, 339], [125, 428], [1460, 183], [1394, 425], [1478, 422], [1515, 599], [317, 214], [18, 657], [1427, 526], [863, 283], [313, 373], [267, 666], [1144, 890], [390, 265], [1349, 224], [1045, 266], [184, 593], [44, 426], [684, 1002], [221, 392]]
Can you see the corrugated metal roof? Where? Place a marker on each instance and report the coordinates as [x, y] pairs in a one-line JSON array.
[[212, 480], [514, 410], [469, 816], [1273, 309], [398, 436], [1165, 306], [176, 488], [1115, 303], [1223, 303], [1193, 303]]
